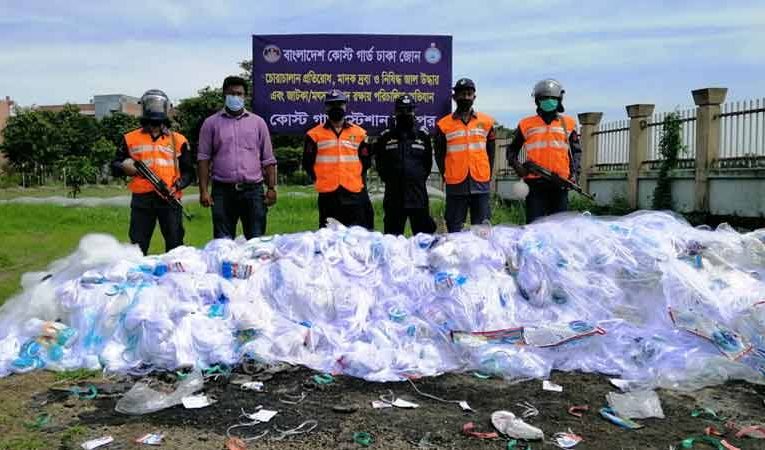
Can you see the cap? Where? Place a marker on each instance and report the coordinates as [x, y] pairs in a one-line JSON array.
[[464, 83], [335, 96]]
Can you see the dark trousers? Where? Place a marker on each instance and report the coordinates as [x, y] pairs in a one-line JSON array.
[[148, 209], [419, 220], [544, 199], [347, 208], [457, 209], [232, 203]]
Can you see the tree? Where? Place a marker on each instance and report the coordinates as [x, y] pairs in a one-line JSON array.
[[670, 146], [28, 138], [114, 127], [80, 169], [192, 112]]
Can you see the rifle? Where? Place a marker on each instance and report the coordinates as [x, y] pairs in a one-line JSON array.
[[555, 178], [159, 186]]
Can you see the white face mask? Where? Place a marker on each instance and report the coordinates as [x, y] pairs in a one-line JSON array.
[[234, 102]]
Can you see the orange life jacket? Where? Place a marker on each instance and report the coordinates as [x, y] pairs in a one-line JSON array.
[[337, 160], [547, 145], [161, 156], [466, 148]]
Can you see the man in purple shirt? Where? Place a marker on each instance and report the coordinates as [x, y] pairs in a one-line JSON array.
[[238, 145]]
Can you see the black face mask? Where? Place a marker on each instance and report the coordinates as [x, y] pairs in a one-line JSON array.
[[405, 121], [336, 114], [464, 105]]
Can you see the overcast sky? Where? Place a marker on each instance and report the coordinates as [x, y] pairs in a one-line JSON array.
[[607, 56]]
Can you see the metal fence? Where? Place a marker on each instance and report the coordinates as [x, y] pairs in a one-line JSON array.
[[613, 144], [687, 134], [742, 131]]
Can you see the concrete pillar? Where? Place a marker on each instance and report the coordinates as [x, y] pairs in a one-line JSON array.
[[708, 101], [589, 122], [639, 141]]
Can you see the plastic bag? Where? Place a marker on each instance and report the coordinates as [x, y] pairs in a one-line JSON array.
[[141, 399], [636, 405]]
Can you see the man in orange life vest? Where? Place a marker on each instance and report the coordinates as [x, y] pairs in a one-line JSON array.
[[550, 139], [167, 154], [464, 153], [336, 157]]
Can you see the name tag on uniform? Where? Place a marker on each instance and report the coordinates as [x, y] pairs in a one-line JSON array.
[[391, 146], [418, 146]]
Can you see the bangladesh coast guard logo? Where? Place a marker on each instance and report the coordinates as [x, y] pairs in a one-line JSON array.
[[272, 53], [433, 54]]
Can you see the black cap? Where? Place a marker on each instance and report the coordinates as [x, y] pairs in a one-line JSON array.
[[464, 83], [335, 96], [405, 101]]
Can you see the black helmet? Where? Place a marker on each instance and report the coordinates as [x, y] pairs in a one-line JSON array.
[[405, 103], [154, 106]]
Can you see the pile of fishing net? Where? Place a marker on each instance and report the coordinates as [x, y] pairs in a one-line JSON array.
[[645, 297]]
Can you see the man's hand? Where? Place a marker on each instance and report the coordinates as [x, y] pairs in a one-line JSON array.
[[128, 166], [205, 199], [520, 170], [270, 197]]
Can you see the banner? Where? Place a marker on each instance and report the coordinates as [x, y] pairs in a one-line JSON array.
[[292, 73]]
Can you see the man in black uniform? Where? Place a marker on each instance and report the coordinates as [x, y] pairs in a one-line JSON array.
[[404, 157]]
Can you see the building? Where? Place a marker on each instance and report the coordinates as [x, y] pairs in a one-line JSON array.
[[105, 105], [7, 107], [102, 106], [86, 109], [6, 111]]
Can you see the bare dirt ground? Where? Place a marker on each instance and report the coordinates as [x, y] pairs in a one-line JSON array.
[[343, 408]]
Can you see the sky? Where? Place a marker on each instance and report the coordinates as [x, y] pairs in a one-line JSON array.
[[607, 53]]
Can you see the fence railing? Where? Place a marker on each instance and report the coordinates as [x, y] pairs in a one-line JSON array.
[[687, 133], [742, 129], [613, 144]]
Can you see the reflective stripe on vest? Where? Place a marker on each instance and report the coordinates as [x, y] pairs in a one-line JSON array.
[[547, 145], [337, 160], [158, 156], [466, 148]]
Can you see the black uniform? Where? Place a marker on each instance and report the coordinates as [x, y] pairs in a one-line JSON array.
[[149, 208], [546, 198], [404, 159]]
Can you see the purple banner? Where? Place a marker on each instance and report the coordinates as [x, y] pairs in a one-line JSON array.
[[292, 73]]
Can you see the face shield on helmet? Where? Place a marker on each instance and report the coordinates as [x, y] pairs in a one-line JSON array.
[[154, 106]]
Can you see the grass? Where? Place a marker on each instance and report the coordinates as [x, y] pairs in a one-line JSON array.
[[32, 236], [74, 376]]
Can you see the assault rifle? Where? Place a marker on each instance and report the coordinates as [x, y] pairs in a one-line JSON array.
[[554, 178], [160, 187]]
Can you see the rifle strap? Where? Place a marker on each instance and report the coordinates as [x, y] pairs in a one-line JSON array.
[[175, 154], [562, 120]]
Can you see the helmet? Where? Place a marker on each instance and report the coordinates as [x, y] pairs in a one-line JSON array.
[[154, 105], [548, 88], [463, 83], [405, 103], [335, 96]]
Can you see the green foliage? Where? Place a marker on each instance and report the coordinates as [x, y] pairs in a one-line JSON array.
[[192, 112], [290, 159], [618, 207], [114, 127], [73, 376], [670, 146], [81, 169]]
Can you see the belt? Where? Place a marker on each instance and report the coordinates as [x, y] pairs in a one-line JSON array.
[[244, 186]]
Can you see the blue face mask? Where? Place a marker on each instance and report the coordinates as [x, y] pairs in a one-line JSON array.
[[548, 104], [234, 102]]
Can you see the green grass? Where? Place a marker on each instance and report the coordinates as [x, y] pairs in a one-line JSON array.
[[32, 236], [73, 376]]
